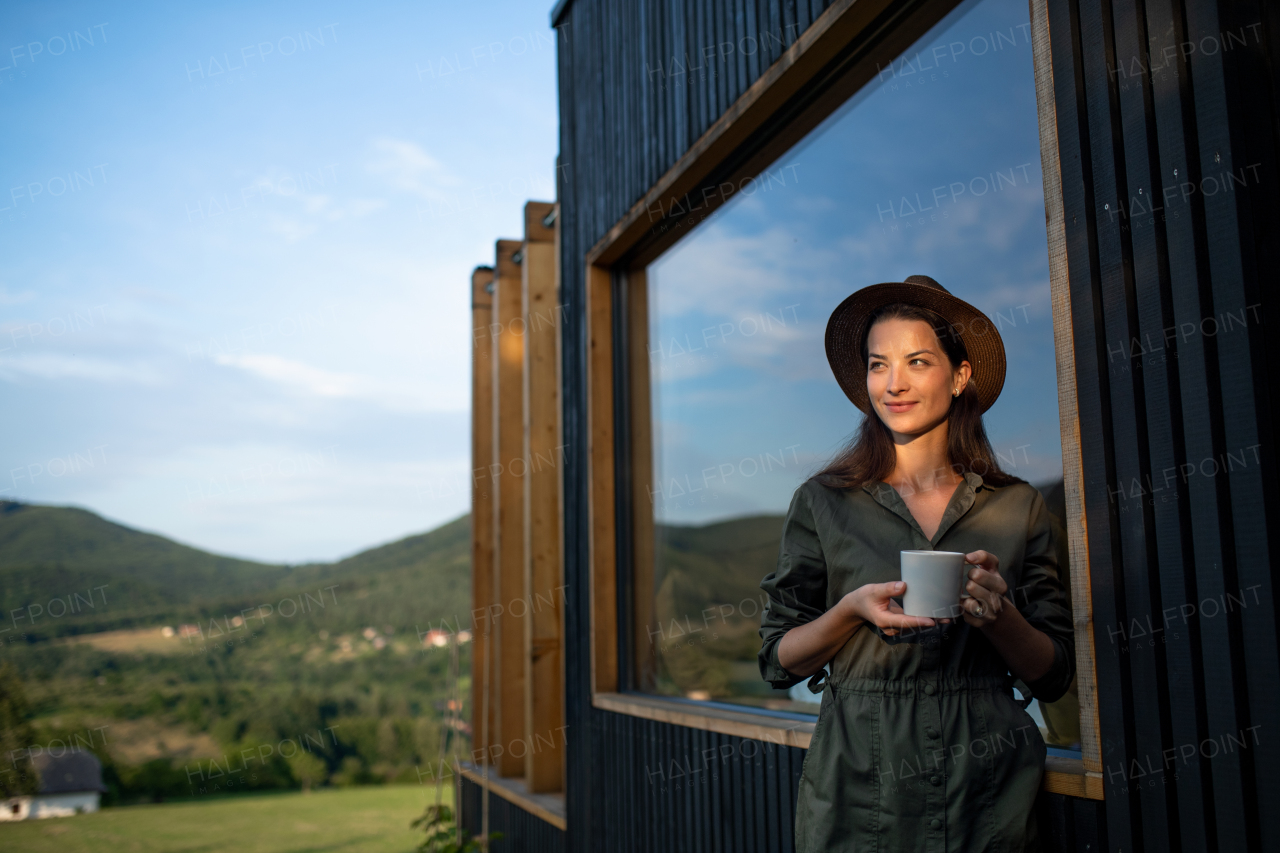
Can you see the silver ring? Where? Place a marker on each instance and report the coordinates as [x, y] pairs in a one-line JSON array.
[[979, 610]]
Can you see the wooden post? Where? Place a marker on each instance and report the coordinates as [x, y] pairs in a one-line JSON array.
[[482, 530], [544, 454], [510, 465]]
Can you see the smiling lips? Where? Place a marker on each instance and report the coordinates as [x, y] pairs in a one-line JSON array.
[[898, 407]]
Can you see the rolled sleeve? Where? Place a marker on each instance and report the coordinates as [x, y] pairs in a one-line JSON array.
[[1043, 600], [797, 591]]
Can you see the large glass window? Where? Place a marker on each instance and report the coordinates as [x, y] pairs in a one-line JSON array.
[[933, 168]]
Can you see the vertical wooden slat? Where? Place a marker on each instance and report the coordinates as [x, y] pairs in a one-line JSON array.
[[602, 573], [510, 465], [542, 453], [482, 500]]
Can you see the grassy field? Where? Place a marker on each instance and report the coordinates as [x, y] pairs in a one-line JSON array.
[[372, 819]]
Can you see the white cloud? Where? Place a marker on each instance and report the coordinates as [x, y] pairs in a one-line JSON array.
[[313, 380], [398, 395], [8, 297], [407, 167], [49, 365]]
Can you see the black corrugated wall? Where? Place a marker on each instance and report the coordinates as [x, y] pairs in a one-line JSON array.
[[522, 832], [627, 113], [1146, 254], [1167, 133]]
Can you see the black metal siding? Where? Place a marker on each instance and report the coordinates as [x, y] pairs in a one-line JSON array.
[[1134, 105], [623, 124], [522, 832]]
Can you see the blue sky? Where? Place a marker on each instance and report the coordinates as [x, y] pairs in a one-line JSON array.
[[235, 247], [933, 169]]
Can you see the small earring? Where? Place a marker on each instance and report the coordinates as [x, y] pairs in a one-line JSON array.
[[955, 393]]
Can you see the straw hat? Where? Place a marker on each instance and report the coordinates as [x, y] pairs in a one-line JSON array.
[[848, 327]]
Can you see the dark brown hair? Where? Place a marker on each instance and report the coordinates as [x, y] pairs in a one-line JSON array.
[[871, 456]]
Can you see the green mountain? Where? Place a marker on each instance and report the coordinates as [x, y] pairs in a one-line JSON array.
[[707, 603], [261, 655], [724, 562], [421, 581], [713, 564], [112, 576]]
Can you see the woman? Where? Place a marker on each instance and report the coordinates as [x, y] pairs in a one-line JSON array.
[[920, 744]]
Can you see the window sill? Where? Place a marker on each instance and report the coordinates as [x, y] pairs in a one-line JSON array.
[[1068, 776], [747, 724], [1062, 775], [548, 807]]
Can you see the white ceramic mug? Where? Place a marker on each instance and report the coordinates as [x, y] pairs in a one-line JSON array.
[[935, 583]]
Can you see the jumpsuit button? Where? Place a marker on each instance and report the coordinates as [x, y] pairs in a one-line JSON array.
[[935, 781], [932, 733], [930, 689], [935, 824]]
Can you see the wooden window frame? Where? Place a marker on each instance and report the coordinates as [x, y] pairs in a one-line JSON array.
[[827, 64]]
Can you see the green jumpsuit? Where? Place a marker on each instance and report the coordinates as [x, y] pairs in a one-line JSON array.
[[920, 744]]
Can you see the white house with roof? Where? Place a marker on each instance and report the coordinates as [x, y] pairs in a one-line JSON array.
[[70, 784]]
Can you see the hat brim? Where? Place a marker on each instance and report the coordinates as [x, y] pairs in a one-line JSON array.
[[848, 326]]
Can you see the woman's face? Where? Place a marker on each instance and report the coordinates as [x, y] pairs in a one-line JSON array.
[[909, 379]]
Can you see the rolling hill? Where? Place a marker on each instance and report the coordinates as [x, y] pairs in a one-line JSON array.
[[186, 656], [136, 578], [726, 560], [716, 569]]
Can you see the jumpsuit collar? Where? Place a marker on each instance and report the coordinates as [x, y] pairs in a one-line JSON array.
[[961, 500]]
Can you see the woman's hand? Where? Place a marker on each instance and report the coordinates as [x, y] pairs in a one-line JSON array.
[[874, 603], [806, 648], [1026, 649], [987, 589]]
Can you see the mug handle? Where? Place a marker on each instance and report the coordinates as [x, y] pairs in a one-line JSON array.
[[963, 594]]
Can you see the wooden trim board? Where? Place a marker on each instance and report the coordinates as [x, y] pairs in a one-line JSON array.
[[543, 523], [1068, 776], [1068, 403], [747, 724]]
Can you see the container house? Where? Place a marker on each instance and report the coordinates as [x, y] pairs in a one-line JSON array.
[[1098, 176]]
